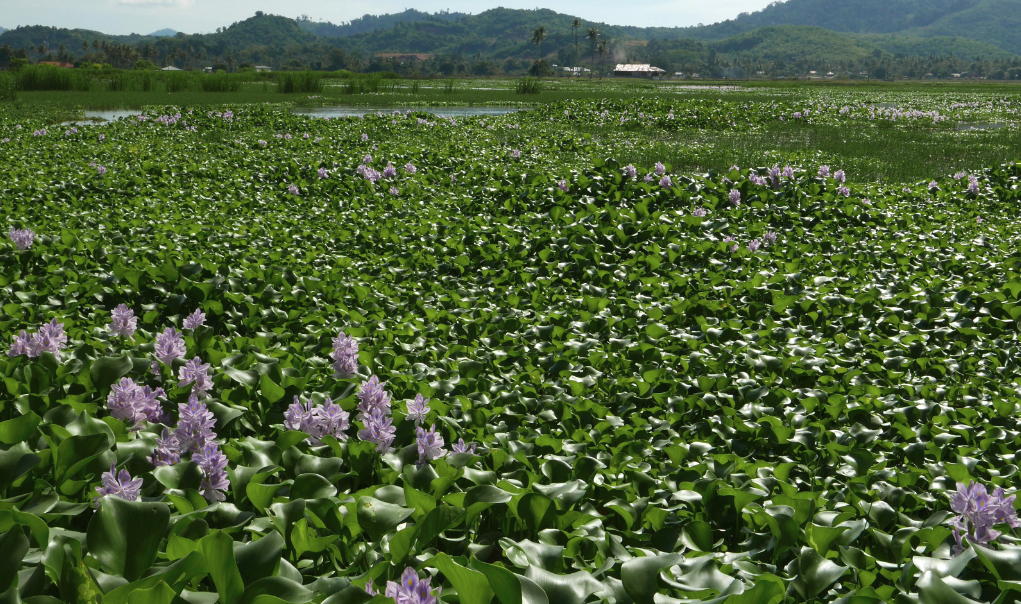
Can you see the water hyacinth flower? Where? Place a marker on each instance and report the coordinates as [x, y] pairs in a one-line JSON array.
[[102, 137], [293, 190], [389, 171], [325, 420], [123, 322], [262, 143], [196, 374], [753, 245], [515, 154], [195, 320], [49, 337], [410, 589], [169, 346], [22, 238], [562, 185], [649, 177], [698, 212], [843, 191], [735, 197], [410, 168], [734, 168], [774, 176], [839, 176], [418, 409], [933, 185], [134, 403], [333, 420], [118, 485], [322, 173], [960, 175], [430, 444], [365, 137], [367, 160], [20, 345], [973, 184], [344, 355], [978, 512], [460, 447], [167, 451], [194, 426], [100, 170], [630, 171], [824, 171], [213, 463], [769, 238], [395, 191], [660, 169], [299, 417], [665, 182], [379, 429], [788, 172], [372, 395]]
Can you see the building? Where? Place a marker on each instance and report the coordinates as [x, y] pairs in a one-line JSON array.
[[170, 68], [575, 71], [637, 70], [263, 68]]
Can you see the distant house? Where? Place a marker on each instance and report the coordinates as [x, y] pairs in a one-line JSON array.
[[637, 70], [576, 71], [207, 69], [263, 68], [57, 64], [170, 68]]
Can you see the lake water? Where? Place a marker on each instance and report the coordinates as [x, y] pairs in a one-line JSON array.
[[333, 112], [962, 126], [101, 116]]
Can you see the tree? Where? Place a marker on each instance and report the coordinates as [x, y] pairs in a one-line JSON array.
[[538, 36], [593, 35], [602, 53], [574, 33]]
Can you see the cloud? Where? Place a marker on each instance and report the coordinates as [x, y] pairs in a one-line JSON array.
[[156, 3]]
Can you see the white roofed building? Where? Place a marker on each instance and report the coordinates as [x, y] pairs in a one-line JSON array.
[[637, 70]]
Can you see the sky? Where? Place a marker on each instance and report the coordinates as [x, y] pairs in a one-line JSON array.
[[204, 16]]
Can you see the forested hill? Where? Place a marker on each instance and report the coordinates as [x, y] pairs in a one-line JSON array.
[[370, 23]]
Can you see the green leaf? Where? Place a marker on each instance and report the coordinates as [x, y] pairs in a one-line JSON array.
[[20, 428], [269, 389], [276, 587], [107, 370], [75, 452], [640, 576], [218, 549], [378, 518], [13, 547], [698, 535], [815, 573], [509, 587], [260, 558], [932, 590], [125, 535], [441, 518], [15, 463], [472, 586]]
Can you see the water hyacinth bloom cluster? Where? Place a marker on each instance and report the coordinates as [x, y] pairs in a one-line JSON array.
[[698, 212], [410, 168], [322, 173], [327, 419], [123, 322], [665, 182], [134, 403], [973, 184], [345, 356], [735, 197], [418, 409], [196, 374], [22, 238], [194, 434], [562, 185], [169, 346], [293, 190], [195, 320], [410, 589], [979, 511], [374, 410], [49, 337], [118, 484], [430, 444], [389, 171], [368, 173], [630, 171], [824, 171], [100, 170], [461, 447]]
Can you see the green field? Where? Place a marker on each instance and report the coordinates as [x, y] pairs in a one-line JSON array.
[[678, 345]]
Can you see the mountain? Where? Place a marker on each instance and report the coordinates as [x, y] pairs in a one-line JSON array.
[[2, 30], [372, 22], [163, 33]]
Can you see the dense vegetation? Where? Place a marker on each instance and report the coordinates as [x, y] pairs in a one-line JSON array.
[[259, 357]]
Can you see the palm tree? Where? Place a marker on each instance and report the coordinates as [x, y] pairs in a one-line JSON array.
[[574, 33], [593, 35], [602, 52], [538, 36]]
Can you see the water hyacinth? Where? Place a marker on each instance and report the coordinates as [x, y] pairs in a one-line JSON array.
[[123, 322], [649, 177], [659, 168], [418, 409], [389, 171], [735, 197], [365, 138], [824, 171], [168, 450], [195, 320], [665, 182], [973, 184], [345, 356], [562, 185], [379, 429], [118, 485], [213, 464], [698, 212], [134, 403], [327, 419], [409, 590], [262, 143], [366, 160], [769, 238], [460, 447], [372, 395], [839, 176], [49, 337], [22, 238], [293, 190], [322, 173], [788, 172], [753, 245], [430, 444], [194, 425], [395, 191], [169, 346], [843, 191], [978, 512], [410, 168], [630, 171], [195, 373], [515, 154]]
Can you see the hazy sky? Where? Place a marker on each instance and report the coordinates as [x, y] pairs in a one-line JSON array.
[[201, 16]]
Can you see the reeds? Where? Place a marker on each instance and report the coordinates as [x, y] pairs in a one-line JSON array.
[[300, 82]]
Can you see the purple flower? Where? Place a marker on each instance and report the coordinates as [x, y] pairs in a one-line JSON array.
[[48, 338], [372, 395], [735, 197], [293, 190], [305, 136], [734, 168], [133, 403], [100, 170], [323, 173], [195, 426], [262, 143], [167, 452], [410, 168], [389, 171], [395, 191], [843, 191], [119, 485], [769, 238], [788, 172], [630, 171], [299, 416], [154, 368], [698, 212], [123, 323], [753, 245], [379, 429], [562, 185], [169, 346], [824, 171], [195, 320], [973, 184], [20, 345], [980, 511], [22, 238], [213, 464], [774, 176], [366, 160], [460, 447], [365, 137], [411, 589], [665, 182], [430, 444], [839, 176], [418, 409], [332, 419], [345, 356], [516, 153], [102, 137], [660, 169], [196, 374], [960, 175], [649, 177]]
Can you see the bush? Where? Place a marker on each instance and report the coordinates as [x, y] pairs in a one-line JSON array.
[[300, 82], [221, 82], [528, 86], [144, 65], [8, 87]]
